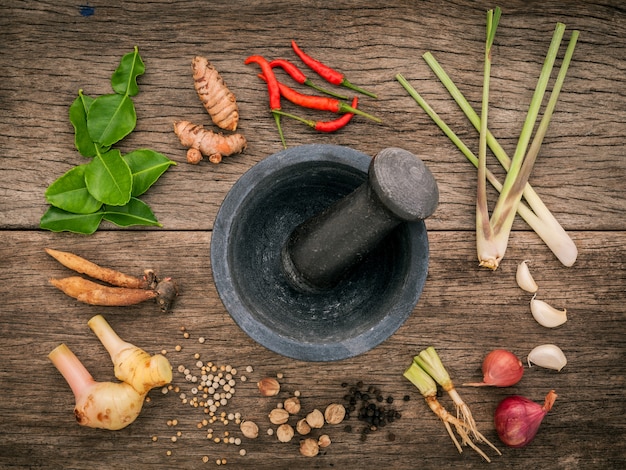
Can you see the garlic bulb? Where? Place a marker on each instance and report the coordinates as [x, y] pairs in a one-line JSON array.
[[524, 278], [549, 356], [545, 314]]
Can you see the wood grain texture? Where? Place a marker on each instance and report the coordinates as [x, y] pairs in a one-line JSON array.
[[50, 51]]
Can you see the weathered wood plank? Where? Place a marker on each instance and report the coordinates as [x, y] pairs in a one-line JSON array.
[[463, 312], [50, 52], [579, 173]]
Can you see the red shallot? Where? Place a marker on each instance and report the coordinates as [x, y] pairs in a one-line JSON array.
[[501, 368], [518, 418]]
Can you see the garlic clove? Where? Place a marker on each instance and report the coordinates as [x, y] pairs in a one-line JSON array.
[[525, 279], [549, 356], [545, 314]]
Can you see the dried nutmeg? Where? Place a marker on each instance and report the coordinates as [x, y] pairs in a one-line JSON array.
[[334, 413], [249, 429], [315, 419], [278, 416], [303, 427], [324, 440], [284, 433], [309, 447], [292, 405], [268, 387]]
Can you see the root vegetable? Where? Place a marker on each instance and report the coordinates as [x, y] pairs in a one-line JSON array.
[[83, 266], [93, 293], [501, 368], [105, 405], [217, 99], [128, 290], [517, 419], [215, 146], [422, 373], [429, 361], [132, 364]]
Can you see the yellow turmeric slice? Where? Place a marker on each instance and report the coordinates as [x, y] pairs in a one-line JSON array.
[[215, 146], [217, 99]]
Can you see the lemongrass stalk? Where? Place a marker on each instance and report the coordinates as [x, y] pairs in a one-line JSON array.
[[484, 230], [506, 205], [429, 361], [539, 217]]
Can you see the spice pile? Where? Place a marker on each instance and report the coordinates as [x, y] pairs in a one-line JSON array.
[[207, 387], [371, 407]]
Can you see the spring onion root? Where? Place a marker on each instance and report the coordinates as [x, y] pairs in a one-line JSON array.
[[105, 405], [425, 372], [493, 233], [132, 365]]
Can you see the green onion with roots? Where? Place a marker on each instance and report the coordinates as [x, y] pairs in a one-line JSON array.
[[425, 382], [493, 234]]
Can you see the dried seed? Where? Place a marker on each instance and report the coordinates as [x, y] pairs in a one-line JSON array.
[[278, 416], [315, 419], [249, 429], [292, 405], [303, 427], [324, 440], [284, 433], [268, 387], [334, 413], [309, 447]]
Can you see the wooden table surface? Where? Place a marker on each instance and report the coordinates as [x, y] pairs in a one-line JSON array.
[[50, 50]]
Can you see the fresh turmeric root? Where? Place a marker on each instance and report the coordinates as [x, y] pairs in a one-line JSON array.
[[217, 99], [124, 290], [201, 141]]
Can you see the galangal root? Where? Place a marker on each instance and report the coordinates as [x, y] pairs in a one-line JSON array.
[[201, 141], [123, 290], [217, 99]]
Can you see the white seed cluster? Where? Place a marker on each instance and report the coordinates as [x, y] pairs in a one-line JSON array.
[[208, 387]]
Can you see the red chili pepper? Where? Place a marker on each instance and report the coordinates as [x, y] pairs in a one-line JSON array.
[[327, 73], [294, 72], [272, 88], [326, 126], [321, 103]]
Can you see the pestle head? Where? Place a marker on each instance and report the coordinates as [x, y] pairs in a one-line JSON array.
[[324, 249], [404, 184]]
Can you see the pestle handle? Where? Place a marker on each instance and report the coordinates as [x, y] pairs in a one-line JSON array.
[[320, 251]]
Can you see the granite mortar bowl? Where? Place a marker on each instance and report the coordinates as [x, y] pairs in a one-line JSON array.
[[253, 223]]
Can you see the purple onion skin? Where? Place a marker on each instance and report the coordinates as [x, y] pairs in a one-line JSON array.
[[517, 420]]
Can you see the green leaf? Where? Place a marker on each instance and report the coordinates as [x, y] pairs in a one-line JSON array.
[[146, 166], [78, 118], [111, 118], [58, 220], [109, 179], [69, 192], [136, 212], [124, 79]]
